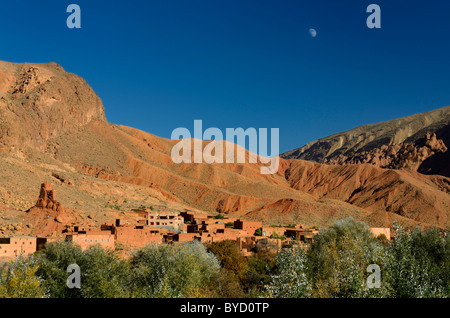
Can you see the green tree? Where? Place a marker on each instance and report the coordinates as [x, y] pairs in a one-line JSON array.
[[225, 284], [260, 266], [338, 260], [18, 280], [172, 271], [53, 263], [229, 256], [419, 263], [289, 279], [103, 273]]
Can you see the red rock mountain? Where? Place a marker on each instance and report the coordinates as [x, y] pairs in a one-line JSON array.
[[40, 102], [361, 141], [400, 156], [53, 129]]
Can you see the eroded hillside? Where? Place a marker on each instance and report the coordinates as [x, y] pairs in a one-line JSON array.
[[54, 130]]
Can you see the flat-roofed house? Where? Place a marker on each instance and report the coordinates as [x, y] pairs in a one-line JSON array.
[[378, 231], [11, 247], [86, 239], [248, 226], [270, 230]]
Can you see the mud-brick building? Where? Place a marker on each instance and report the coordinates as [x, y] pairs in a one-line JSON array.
[[248, 244], [211, 226], [378, 231], [11, 247], [190, 217], [248, 226], [85, 239], [138, 236], [271, 230], [161, 219], [204, 237], [301, 234]]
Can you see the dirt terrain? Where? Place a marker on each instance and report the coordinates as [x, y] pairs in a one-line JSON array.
[[53, 129]]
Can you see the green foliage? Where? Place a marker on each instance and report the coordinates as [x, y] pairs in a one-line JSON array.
[[172, 271], [259, 268], [419, 264], [415, 264], [18, 280], [103, 274], [113, 207], [276, 236], [290, 279], [229, 256], [225, 284], [338, 260], [258, 232], [53, 263], [219, 216]]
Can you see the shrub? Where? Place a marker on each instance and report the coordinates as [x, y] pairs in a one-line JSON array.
[[419, 263], [18, 280], [103, 274], [229, 256], [338, 260], [290, 279], [171, 271]]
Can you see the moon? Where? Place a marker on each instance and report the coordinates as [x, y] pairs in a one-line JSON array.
[[313, 32]]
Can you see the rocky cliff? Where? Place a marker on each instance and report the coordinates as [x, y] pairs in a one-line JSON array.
[[42, 101], [53, 129], [366, 138], [406, 155]]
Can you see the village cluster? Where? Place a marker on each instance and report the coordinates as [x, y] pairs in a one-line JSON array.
[[156, 227], [160, 227]]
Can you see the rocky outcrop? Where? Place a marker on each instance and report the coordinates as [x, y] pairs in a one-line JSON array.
[[48, 217], [399, 156], [365, 138], [439, 163], [47, 199], [42, 101], [57, 115]]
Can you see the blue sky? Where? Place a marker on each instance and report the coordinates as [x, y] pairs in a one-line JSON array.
[[158, 65]]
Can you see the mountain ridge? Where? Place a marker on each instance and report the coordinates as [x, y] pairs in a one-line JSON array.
[[102, 170], [366, 137]]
